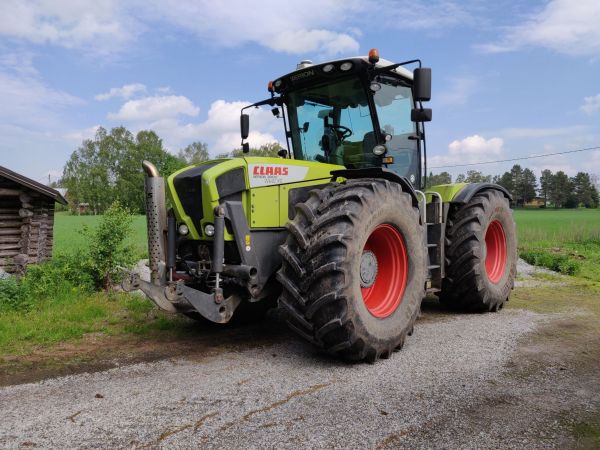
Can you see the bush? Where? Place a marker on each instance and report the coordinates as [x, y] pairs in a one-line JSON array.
[[60, 277], [57, 276], [553, 261], [11, 295], [106, 252]]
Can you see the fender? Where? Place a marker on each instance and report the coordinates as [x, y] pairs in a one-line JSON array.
[[378, 172], [469, 191]]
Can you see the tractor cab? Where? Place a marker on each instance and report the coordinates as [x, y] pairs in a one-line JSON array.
[[359, 113]]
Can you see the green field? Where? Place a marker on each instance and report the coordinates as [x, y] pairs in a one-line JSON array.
[[573, 234], [67, 236]]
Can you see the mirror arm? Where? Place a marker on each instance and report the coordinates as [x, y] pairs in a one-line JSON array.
[[394, 66], [275, 101]]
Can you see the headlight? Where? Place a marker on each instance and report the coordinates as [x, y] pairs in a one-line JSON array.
[[346, 66], [379, 150], [328, 68], [183, 229], [209, 229]]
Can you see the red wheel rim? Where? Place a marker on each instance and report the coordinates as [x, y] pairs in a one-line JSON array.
[[495, 258], [383, 296]]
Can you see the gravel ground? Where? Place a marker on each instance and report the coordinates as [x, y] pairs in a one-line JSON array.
[[526, 273], [286, 395], [462, 381]]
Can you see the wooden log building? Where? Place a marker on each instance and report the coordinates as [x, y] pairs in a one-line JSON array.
[[26, 221]]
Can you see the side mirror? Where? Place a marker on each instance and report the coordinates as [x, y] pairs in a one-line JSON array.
[[245, 125], [422, 84], [421, 115], [282, 153]]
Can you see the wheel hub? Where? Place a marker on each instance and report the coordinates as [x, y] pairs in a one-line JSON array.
[[383, 270], [368, 269], [496, 252]]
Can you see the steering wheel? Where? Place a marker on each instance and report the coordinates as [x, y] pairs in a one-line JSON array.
[[341, 131]]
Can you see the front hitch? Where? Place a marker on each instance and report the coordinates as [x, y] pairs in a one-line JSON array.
[[177, 297], [167, 294]]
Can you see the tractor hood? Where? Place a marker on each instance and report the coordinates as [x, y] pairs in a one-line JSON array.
[[268, 189]]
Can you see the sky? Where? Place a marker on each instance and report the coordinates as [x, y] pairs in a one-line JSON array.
[[510, 79]]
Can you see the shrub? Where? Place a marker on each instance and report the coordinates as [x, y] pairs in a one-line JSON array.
[[48, 281], [106, 252], [11, 295], [60, 275], [553, 261]]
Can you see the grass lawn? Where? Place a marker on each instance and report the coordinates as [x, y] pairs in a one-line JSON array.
[[569, 233], [573, 233], [70, 317], [67, 237]]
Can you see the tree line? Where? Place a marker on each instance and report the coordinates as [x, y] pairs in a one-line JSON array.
[[107, 168], [555, 189]]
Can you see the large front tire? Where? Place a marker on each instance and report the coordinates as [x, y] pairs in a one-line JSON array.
[[353, 269], [481, 254]]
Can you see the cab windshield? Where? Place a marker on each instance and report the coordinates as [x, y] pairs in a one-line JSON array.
[[332, 123]]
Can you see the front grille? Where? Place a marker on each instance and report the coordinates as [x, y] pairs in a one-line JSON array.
[[188, 186]]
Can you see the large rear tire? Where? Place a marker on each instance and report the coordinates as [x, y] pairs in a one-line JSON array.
[[353, 269], [481, 253]]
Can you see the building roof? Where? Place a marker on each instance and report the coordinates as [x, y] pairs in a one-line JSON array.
[[33, 185]]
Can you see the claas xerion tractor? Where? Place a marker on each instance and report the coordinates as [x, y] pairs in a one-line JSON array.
[[339, 229]]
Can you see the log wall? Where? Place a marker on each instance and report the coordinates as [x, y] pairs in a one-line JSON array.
[[26, 226]]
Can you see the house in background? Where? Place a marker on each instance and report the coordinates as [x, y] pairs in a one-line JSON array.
[[26, 221]]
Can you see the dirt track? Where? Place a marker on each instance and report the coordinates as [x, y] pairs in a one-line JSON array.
[[462, 381]]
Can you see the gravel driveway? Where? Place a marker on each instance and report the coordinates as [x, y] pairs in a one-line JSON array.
[[461, 381], [285, 395]]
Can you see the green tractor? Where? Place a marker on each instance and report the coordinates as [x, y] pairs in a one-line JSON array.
[[338, 229]]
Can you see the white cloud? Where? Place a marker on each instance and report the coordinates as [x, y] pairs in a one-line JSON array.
[[591, 104], [566, 26], [18, 62], [220, 130], [476, 145], [78, 136], [108, 26], [126, 91], [27, 100], [469, 150], [459, 91], [295, 27], [325, 27], [89, 24], [310, 41], [155, 108]]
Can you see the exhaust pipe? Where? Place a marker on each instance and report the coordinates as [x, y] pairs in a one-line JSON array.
[[156, 216]]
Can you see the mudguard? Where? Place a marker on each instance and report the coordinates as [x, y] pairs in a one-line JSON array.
[[378, 172], [469, 191]]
